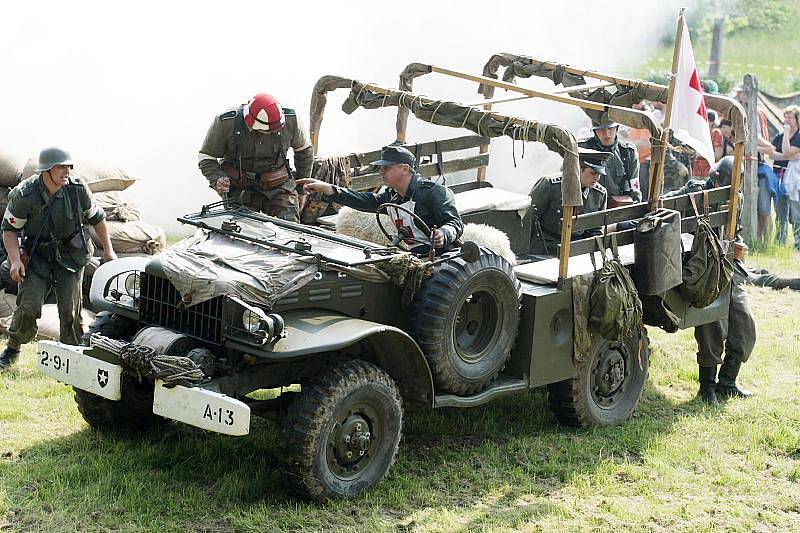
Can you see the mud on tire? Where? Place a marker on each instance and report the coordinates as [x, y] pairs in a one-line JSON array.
[[135, 410], [342, 433], [608, 386], [465, 319]]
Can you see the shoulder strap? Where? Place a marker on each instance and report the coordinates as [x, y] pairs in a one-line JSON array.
[[45, 223], [439, 161], [79, 216], [705, 203], [694, 205]]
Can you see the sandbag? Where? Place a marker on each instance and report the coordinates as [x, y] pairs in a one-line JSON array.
[[99, 178], [134, 237], [10, 167], [117, 205]]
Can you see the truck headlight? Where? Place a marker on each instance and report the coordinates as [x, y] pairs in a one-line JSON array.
[[251, 322], [132, 285]]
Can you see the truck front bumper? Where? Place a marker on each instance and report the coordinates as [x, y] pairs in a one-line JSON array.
[[87, 369]]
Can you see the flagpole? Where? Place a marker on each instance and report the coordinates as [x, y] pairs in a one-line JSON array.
[[657, 170]]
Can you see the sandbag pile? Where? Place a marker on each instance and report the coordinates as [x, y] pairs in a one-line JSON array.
[[128, 233]]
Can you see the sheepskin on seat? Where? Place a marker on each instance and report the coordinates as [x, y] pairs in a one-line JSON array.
[[363, 226]]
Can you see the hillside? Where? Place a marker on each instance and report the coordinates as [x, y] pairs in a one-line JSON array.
[[772, 55]]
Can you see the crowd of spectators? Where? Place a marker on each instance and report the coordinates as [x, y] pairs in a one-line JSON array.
[[778, 165]]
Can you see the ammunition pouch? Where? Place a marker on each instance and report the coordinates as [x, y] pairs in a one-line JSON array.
[[270, 179]]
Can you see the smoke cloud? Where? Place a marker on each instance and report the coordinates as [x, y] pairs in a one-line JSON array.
[[136, 84]]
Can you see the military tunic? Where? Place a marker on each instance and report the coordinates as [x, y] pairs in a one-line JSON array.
[[229, 140], [546, 198], [433, 203], [622, 168], [53, 261]]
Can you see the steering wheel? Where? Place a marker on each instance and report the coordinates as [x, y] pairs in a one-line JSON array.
[[397, 237]]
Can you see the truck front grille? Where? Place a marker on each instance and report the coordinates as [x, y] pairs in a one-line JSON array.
[[160, 305]]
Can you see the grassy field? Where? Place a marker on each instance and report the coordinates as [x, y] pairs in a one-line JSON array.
[[765, 54], [675, 466]]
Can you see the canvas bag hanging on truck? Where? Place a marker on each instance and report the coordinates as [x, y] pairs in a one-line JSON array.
[[707, 271], [657, 252], [614, 306]]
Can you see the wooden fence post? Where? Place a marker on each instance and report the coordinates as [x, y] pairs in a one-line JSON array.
[[750, 177]]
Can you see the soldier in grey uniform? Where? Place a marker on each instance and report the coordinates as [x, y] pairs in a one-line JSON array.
[[428, 200], [546, 199], [244, 155], [49, 210], [622, 168], [736, 335]]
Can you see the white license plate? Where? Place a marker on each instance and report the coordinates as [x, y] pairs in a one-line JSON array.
[[202, 408], [70, 365]]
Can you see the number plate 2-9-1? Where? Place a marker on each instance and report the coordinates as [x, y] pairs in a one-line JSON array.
[[70, 365], [202, 408]]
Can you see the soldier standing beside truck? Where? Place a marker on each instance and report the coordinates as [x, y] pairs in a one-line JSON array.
[[244, 155], [49, 209]]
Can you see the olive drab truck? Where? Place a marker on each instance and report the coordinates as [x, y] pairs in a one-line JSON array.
[[250, 302]]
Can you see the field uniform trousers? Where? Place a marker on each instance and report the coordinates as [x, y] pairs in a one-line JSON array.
[[31, 296], [279, 202], [735, 334]]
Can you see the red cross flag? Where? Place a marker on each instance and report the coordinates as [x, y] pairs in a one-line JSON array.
[[689, 121]]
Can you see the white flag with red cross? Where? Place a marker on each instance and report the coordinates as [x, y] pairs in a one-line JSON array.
[[689, 122]]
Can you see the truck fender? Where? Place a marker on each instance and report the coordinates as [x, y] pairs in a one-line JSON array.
[[114, 272], [390, 348]]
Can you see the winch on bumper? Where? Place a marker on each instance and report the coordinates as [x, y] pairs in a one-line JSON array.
[[99, 372]]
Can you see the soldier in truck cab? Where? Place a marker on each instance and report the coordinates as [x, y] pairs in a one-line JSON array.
[[430, 201]]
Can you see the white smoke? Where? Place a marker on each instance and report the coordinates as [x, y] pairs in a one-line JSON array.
[[136, 84]]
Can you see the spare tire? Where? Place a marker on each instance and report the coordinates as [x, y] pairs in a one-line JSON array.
[[465, 318]]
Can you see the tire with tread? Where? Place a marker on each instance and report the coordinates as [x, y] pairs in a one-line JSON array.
[[608, 386], [334, 412], [465, 319], [135, 410]]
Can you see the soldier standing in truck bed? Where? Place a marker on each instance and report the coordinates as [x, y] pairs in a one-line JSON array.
[[622, 168], [245, 155], [546, 199]]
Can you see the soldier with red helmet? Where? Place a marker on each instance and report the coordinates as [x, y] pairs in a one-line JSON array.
[[245, 151]]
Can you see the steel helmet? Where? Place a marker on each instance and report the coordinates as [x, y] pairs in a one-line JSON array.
[[52, 156], [264, 113], [721, 172]]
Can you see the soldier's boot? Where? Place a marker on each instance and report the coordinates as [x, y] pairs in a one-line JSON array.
[[726, 386], [8, 357], [708, 384]]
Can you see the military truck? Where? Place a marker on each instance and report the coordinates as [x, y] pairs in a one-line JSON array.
[[251, 302]]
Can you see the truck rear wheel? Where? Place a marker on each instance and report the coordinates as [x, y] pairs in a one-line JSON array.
[[135, 409], [342, 433], [608, 386], [465, 319]]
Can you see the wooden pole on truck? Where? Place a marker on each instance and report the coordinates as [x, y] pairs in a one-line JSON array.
[[657, 174]]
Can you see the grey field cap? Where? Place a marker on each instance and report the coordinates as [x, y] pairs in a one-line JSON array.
[[594, 159], [395, 155], [52, 156]]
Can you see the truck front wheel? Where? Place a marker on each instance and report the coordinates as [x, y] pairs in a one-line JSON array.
[[608, 386], [342, 433]]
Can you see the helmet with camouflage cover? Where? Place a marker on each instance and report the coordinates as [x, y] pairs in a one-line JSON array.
[[52, 156]]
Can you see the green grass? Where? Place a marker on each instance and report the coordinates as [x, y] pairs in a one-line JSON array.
[[504, 466], [756, 52]]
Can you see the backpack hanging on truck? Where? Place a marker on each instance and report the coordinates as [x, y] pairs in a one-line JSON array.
[[707, 271], [614, 305]]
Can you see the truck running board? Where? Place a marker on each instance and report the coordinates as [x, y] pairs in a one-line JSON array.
[[502, 386]]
